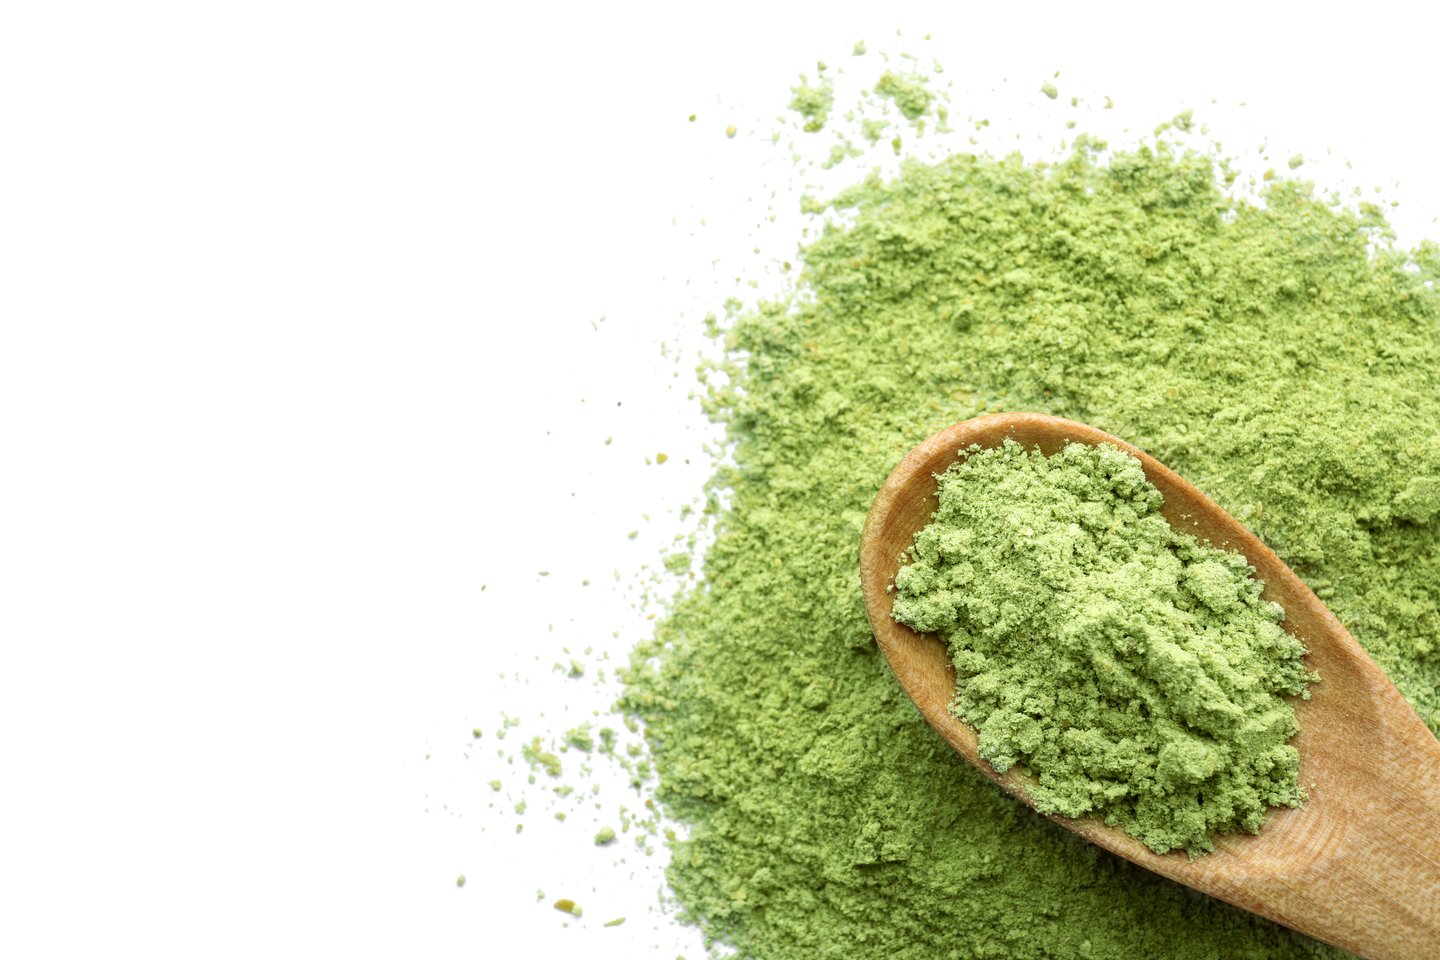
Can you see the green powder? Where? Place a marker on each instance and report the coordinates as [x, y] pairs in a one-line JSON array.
[[541, 759], [1134, 672], [910, 94], [813, 102], [580, 738], [1239, 345]]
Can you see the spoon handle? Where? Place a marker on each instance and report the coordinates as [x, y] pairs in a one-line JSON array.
[[1371, 879]]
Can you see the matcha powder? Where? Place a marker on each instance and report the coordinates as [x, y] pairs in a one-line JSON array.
[[1283, 359], [1133, 672]]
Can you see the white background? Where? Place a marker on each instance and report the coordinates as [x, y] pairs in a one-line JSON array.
[[301, 344]]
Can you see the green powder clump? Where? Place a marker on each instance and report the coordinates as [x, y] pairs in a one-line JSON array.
[[540, 758], [910, 94], [1419, 502], [873, 129], [1236, 343], [813, 102], [580, 738], [1134, 672]]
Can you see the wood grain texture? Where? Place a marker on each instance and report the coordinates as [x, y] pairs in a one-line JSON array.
[[1358, 864]]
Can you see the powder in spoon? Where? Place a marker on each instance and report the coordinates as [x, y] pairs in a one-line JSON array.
[[1134, 672]]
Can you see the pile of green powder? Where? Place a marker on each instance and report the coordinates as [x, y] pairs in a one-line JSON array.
[[1134, 672], [1282, 358]]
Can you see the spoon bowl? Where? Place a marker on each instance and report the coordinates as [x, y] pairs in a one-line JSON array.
[[1358, 863]]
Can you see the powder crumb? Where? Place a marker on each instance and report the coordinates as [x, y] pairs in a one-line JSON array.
[[813, 102], [568, 906], [539, 758], [1049, 90], [1419, 501], [730, 131], [580, 738], [460, 880], [614, 923], [661, 457], [606, 835], [909, 93]]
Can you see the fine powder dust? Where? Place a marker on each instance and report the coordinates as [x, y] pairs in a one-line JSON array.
[[1283, 359]]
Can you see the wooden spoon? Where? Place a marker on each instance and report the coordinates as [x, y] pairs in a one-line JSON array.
[[1358, 864]]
